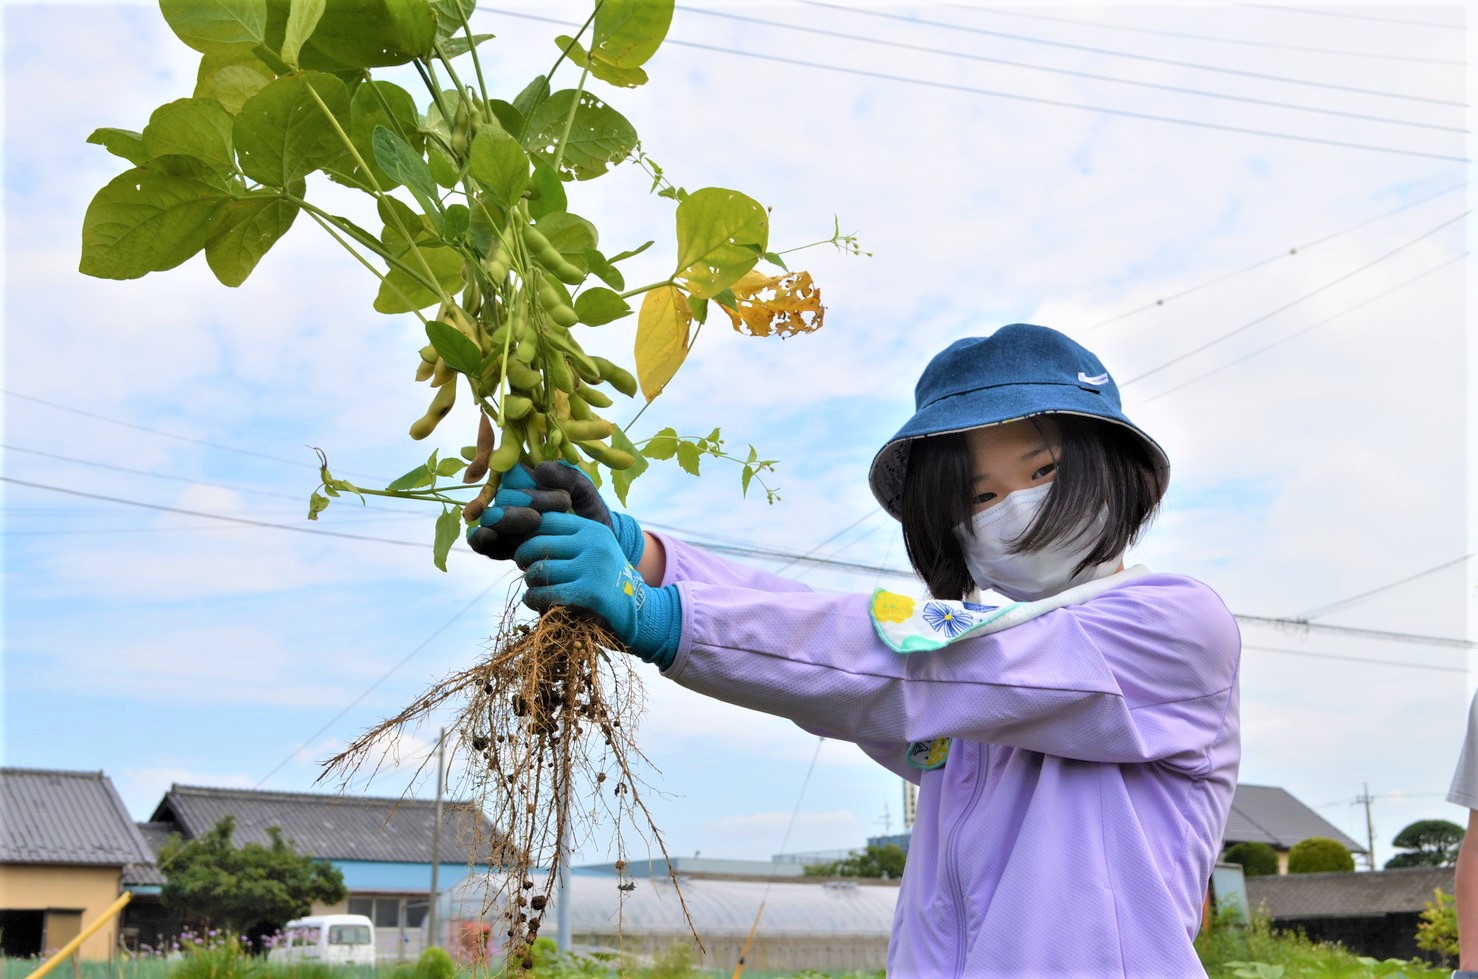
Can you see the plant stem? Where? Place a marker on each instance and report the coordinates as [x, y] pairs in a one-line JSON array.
[[564, 137], [322, 216], [646, 288], [362, 260], [564, 52], [482, 85], [379, 194]]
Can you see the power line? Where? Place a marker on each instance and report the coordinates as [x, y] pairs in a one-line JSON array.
[[1289, 305], [1346, 603], [1298, 333], [144, 472], [1295, 250], [1348, 16], [1066, 71], [970, 90], [210, 516], [754, 552], [1302, 626], [383, 677], [920, 22], [1359, 659], [999, 11], [173, 435]]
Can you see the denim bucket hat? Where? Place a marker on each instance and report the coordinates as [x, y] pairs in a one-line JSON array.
[[1017, 372]]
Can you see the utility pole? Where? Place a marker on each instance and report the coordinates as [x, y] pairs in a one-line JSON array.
[[432, 936], [1369, 828]]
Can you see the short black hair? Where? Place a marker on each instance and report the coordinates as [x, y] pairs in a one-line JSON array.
[[1100, 464]]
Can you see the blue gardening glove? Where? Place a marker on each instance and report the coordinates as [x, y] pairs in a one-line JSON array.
[[586, 501], [577, 563], [513, 516]]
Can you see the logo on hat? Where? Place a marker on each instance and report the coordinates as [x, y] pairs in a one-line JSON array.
[[1099, 380]]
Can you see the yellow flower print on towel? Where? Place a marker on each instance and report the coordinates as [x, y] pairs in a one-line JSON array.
[[890, 606]]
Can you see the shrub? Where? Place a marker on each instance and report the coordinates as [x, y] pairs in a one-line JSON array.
[[1438, 929], [1317, 855], [435, 963], [1257, 859]]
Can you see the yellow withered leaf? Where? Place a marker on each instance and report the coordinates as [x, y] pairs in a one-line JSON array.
[[781, 305], [661, 338]]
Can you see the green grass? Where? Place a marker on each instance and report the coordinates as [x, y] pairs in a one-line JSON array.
[[1257, 952]]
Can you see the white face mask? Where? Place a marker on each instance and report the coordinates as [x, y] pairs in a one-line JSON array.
[[1030, 575]]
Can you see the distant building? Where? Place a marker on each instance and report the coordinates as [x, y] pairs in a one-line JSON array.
[[1267, 814], [67, 844], [381, 845]]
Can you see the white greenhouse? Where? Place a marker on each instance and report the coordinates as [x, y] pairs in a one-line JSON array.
[[831, 925]]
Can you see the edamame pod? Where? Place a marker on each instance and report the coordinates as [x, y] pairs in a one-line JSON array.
[[516, 407], [593, 396], [522, 376], [446, 396], [611, 458], [428, 354], [557, 369], [424, 371], [478, 467], [548, 256], [585, 430], [505, 456], [617, 377], [474, 508], [441, 373]]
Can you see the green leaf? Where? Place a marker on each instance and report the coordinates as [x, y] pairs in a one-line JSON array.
[[443, 168], [699, 308], [282, 135], [214, 25], [448, 529], [455, 348], [499, 164], [744, 478], [599, 135], [252, 226], [402, 293], [487, 218], [662, 445], [144, 221], [621, 479], [455, 47], [508, 117], [549, 192], [353, 35], [402, 220], [628, 32], [395, 156], [231, 77], [726, 299], [302, 20], [415, 479], [596, 307], [458, 219], [529, 100], [688, 456], [632, 253], [121, 142], [570, 235], [720, 236], [608, 273], [775, 259], [317, 503], [450, 467], [192, 127], [451, 15]]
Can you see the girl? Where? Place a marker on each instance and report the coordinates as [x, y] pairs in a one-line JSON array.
[[1075, 749]]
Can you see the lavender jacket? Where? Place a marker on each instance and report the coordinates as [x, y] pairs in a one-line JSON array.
[[1072, 829]]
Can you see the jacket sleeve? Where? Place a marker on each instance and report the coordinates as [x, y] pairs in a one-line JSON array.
[[688, 563], [1145, 671]]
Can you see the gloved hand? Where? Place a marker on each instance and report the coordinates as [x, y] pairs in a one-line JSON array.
[[514, 514], [586, 501], [576, 562]]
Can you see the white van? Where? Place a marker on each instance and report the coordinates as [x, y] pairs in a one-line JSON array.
[[332, 939]]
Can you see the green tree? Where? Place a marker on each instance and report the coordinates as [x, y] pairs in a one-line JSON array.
[[1319, 854], [1428, 843], [1438, 929], [241, 887], [884, 861], [1257, 859]]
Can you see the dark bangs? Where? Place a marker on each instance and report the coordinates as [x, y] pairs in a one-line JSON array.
[[1101, 466]]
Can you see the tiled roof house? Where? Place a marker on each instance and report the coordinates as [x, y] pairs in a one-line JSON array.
[[66, 843], [1267, 814]]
